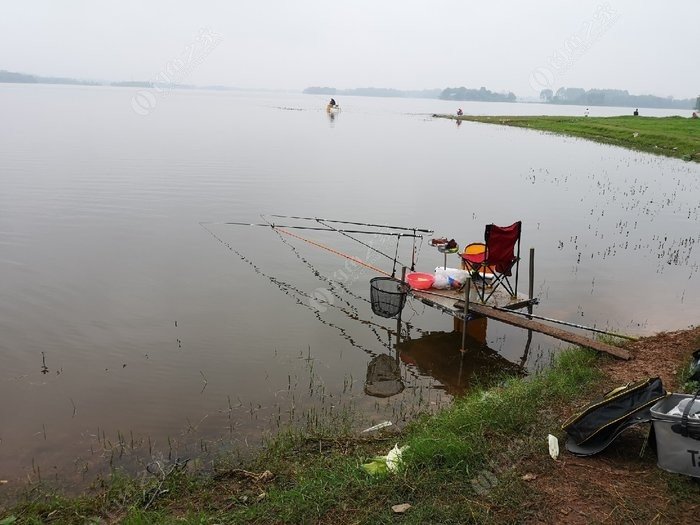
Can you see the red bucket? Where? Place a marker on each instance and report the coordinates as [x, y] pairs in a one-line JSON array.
[[420, 281]]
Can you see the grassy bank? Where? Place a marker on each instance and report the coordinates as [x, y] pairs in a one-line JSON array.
[[459, 468], [670, 136]]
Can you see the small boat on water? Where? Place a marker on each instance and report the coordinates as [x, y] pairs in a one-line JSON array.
[[330, 108]]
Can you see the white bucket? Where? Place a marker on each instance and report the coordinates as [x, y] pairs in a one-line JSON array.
[[676, 452]]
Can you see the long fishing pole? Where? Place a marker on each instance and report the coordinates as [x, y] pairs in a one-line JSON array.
[[574, 325], [272, 225], [421, 230], [336, 252], [393, 259]]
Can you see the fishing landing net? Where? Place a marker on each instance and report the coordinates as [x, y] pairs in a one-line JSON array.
[[388, 296]]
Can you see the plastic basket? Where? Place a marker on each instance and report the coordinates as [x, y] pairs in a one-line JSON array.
[[388, 296], [677, 437], [420, 281]]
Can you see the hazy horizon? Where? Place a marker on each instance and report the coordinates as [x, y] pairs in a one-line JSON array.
[[111, 81], [408, 45]]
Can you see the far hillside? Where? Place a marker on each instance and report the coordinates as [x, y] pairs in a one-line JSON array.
[[614, 97]]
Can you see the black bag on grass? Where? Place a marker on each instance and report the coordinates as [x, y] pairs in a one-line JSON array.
[[596, 425]]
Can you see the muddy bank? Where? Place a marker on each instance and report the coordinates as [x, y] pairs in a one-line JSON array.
[[622, 484]]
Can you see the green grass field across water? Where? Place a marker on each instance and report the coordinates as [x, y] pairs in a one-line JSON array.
[[670, 136]]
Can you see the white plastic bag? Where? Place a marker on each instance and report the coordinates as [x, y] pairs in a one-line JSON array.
[[385, 464], [455, 277], [441, 282]]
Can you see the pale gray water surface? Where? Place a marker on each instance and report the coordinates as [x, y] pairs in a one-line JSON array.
[[153, 327]]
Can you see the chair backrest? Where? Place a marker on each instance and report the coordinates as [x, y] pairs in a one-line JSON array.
[[500, 246]]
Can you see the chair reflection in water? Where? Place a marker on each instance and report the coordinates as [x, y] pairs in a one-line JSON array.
[[437, 354], [493, 260]]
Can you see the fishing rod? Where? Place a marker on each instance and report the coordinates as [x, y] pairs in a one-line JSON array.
[[394, 259], [336, 252], [574, 325], [345, 232], [421, 230], [331, 228], [272, 225]]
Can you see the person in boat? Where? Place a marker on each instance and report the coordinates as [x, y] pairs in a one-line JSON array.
[[636, 112], [459, 112], [332, 103]]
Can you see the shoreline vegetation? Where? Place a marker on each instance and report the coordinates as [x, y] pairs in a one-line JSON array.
[[563, 96], [482, 459], [676, 137]]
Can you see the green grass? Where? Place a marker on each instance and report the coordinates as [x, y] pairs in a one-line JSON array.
[[484, 432], [670, 136], [458, 468]]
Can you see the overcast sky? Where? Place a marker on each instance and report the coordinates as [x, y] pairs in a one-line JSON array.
[[644, 47]]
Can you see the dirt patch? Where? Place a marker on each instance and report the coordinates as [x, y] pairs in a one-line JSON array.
[[661, 355], [623, 483]]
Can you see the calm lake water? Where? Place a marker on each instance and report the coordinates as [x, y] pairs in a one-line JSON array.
[[132, 331]]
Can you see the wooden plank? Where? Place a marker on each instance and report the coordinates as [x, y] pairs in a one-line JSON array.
[[558, 333], [448, 298], [451, 302]]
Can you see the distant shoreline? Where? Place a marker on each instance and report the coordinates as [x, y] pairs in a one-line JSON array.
[[570, 96], [564, 97], [144, 85], [186, 87], [675, 137]]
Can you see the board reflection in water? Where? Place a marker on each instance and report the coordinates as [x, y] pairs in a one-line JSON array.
[[438, 355]]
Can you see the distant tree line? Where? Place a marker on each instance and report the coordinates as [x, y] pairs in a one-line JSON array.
[[21, 78], [316, 90], [481, 94], [461, 93], [611, 97], [563, 95], [9, 76]]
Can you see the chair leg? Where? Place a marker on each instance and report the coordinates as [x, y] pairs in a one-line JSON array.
[[476, 277], [501, 281], [482, 277], [480, 288]]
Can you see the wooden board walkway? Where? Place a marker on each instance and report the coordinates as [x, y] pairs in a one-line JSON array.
[[452, 303], [558, 333], [445, 300]]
